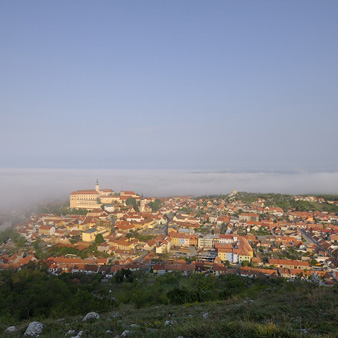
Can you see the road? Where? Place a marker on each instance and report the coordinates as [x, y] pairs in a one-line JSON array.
[[307, 237]]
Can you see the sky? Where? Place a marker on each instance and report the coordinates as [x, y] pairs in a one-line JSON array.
[[236, 86]]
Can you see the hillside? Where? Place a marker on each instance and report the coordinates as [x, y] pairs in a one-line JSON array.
[[264, 309]]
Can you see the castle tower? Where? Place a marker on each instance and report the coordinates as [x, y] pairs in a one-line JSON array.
[[97, 186]]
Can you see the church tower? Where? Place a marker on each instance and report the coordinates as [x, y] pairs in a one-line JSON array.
[[97, 186]]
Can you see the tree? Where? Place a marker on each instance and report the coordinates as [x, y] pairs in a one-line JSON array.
[[99, 239], [20, 242], [313, 262], [132, 201], [201, 284], [155, 206]]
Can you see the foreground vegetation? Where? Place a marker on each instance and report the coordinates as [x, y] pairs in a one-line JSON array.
[[196, 306]]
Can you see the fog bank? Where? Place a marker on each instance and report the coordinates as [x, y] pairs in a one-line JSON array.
[[24, 187]]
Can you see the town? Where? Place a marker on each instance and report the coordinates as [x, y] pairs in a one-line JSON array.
[[238, 233]]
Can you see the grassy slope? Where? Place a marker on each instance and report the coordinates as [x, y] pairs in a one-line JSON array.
[[272, 313]]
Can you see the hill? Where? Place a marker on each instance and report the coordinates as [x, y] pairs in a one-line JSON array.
[[263, 308]]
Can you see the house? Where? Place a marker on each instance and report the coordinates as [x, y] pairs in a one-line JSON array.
[[46, 230], [244, 217], [289, 264], [163, 247]]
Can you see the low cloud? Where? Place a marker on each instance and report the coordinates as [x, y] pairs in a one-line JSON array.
[[24, 187]]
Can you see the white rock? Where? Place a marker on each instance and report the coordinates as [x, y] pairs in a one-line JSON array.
[[91, 315], [125, 333], [11, 329], [78, 335], [168, 322], [69, 332], [34, 329], [109, 331], [205, 315], [134, 325]]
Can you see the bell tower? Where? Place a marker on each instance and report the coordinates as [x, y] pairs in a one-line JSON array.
[[97, 186]]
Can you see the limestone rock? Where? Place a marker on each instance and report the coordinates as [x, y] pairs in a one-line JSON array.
[[34, 329], [91, 315]]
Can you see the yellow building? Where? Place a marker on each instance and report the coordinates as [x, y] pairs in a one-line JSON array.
[[89, 235], [245, 256]]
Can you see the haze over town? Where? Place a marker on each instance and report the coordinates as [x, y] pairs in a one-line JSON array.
[[24, 187]]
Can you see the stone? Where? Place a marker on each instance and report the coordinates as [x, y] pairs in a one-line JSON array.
[[11, 329], [69, 332], [79, 335], [91, 315], [34, 329], [168, 322], [205, 315], [125, 333], [134, 325]]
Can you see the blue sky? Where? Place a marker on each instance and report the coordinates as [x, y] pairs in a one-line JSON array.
[[215, 85]]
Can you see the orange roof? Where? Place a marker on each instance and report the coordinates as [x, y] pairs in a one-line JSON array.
[[82, 192], [287, 262]]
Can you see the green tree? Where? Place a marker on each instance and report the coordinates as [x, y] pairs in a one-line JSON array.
[[202, 285], [313, 262], [99, 239], [132, 201], [155, 206], [20, 241]]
